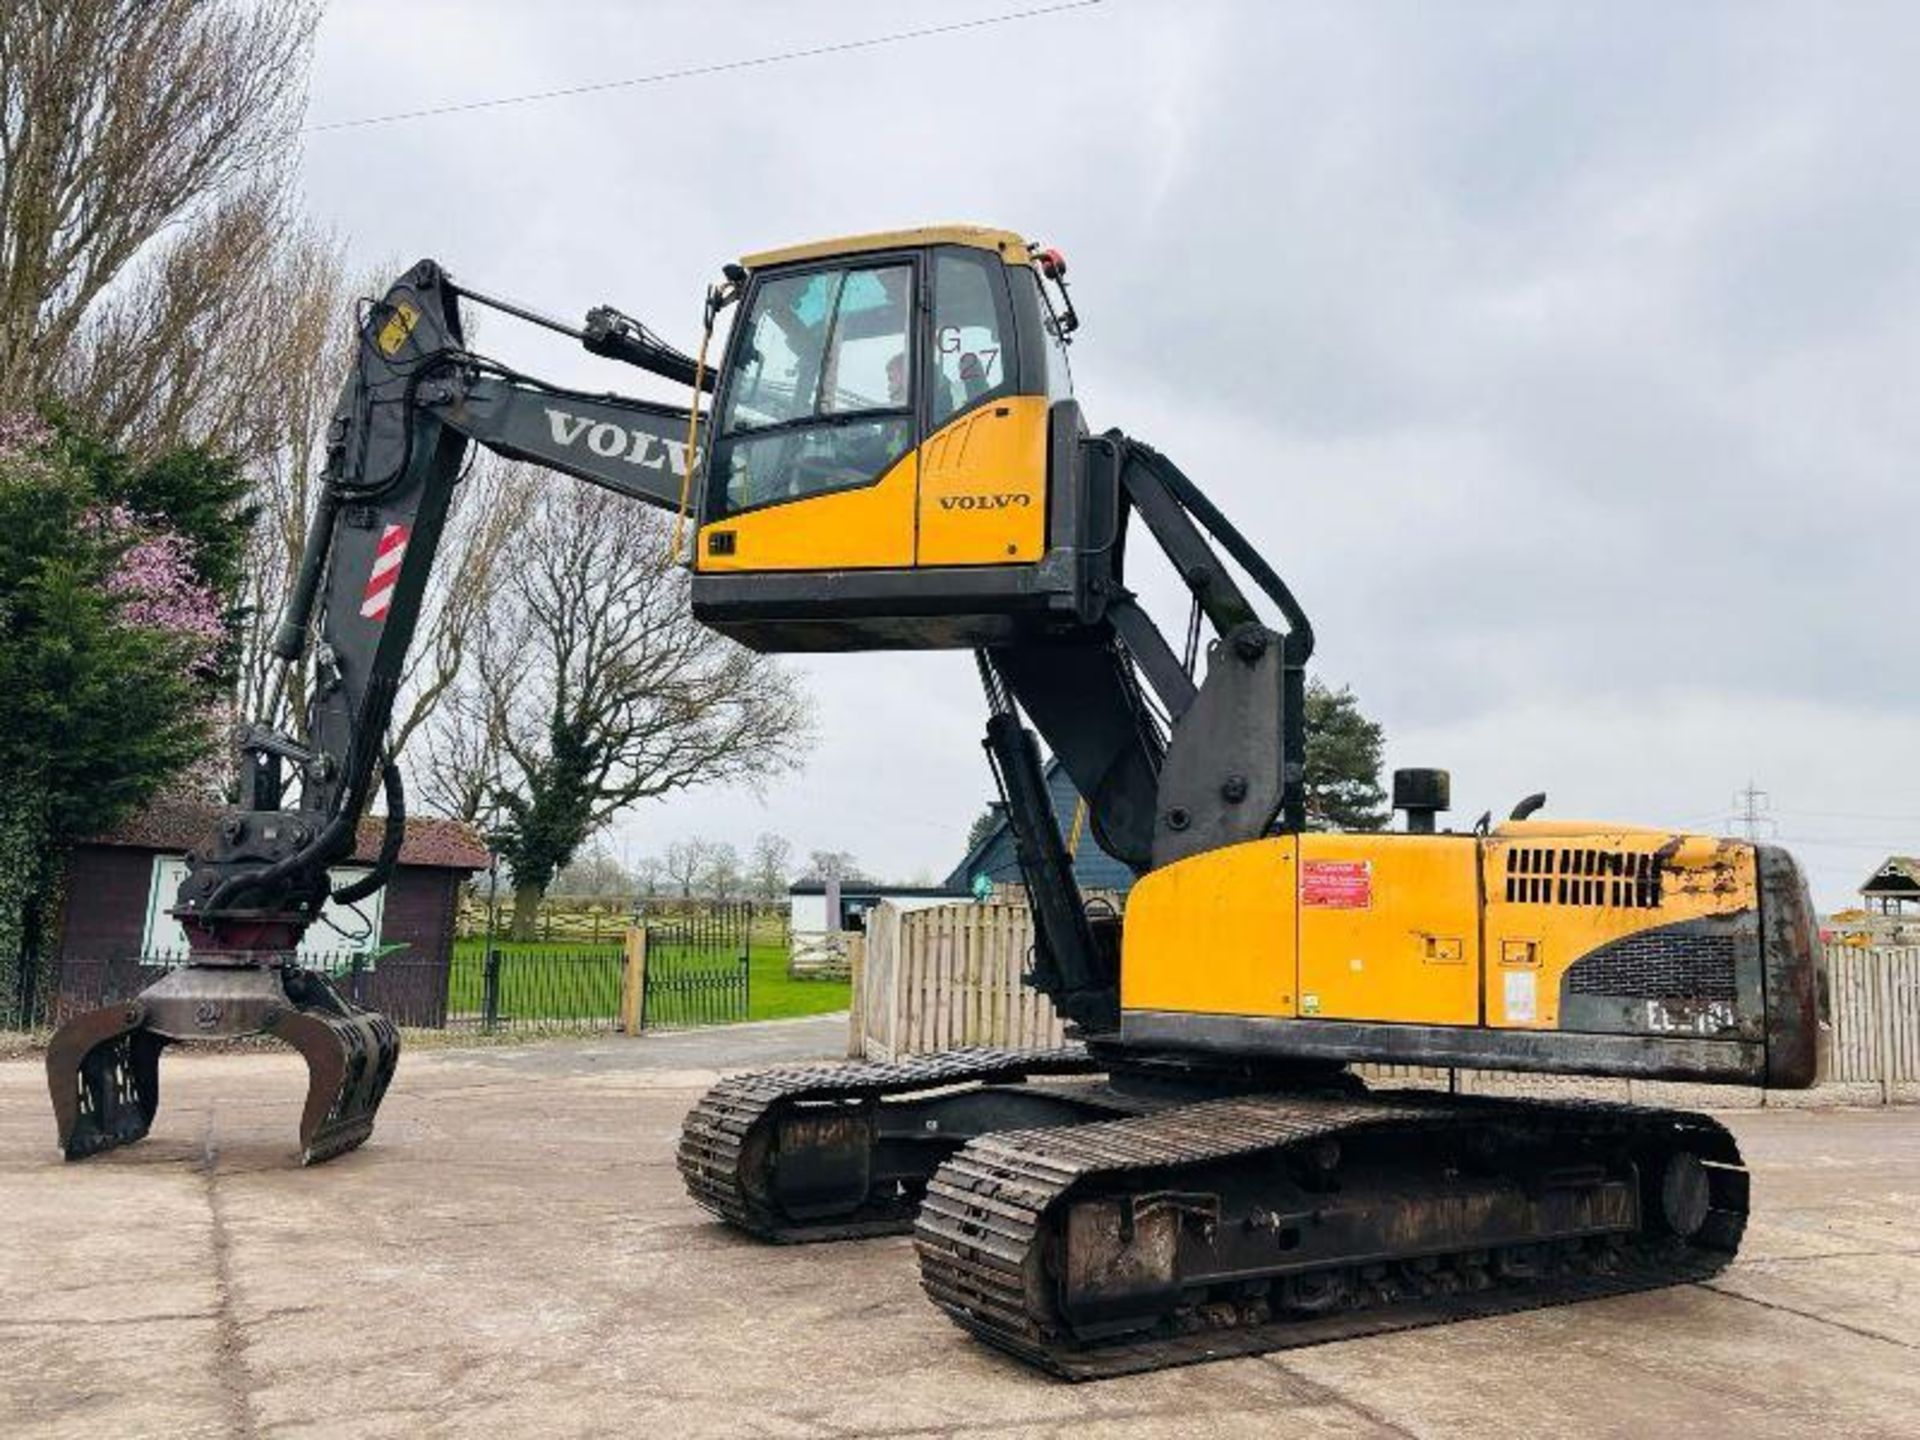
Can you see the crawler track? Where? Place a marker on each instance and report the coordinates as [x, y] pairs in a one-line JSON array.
[[727, 1143], [992, 1232]]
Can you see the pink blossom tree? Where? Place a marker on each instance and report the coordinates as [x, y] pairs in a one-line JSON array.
[[157, 587]]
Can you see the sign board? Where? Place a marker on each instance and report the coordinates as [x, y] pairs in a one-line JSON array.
[[1336, 884]]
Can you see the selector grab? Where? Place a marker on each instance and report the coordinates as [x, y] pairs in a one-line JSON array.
[[103, 1067]]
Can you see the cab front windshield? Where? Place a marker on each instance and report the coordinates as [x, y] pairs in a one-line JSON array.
[[819, 393]]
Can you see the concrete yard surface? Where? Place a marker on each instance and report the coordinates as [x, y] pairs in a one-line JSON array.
[[512, 1254]]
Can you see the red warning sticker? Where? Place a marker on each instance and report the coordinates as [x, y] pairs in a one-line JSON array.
[[1336, 884]]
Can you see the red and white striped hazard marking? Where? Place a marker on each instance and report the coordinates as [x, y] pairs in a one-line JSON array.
[[386, 572]]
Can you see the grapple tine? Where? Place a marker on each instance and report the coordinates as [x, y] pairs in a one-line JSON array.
[[326, 1061], [103, 1073], [351, 1054]]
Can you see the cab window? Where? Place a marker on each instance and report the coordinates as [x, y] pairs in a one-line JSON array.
[[1059, 372], [972, 321], [819, 396]]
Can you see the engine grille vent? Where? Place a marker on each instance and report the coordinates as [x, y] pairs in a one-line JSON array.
[[1547, 875], [1659, 965]]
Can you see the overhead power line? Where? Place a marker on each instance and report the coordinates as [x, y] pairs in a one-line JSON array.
[[721, 67]]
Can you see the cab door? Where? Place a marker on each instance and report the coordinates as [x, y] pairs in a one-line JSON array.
[[983, 468]]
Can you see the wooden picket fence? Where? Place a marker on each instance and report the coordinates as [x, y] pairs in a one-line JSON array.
[[579, 920], [560, 921], [950, 976], [1876, 1015]]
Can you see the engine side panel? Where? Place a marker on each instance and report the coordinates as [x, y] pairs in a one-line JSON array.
[[1390, 928], [1628, 931], [1579, 950], [1215, 933]]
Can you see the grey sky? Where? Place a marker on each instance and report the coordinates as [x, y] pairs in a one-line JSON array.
[[1559, 355]]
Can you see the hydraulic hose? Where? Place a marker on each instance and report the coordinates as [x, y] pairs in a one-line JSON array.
[[331, 834], [325, 845], [390, 840]]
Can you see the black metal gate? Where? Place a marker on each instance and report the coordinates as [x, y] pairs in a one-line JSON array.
[[698, 969]]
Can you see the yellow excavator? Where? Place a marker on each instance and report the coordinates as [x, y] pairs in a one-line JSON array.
[[887, 454]]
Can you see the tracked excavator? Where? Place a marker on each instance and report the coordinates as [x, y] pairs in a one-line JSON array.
[[887, 454]]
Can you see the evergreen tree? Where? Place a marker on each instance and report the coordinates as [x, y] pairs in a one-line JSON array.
[[543, 827], [1344, 751], [106, 638], [984, 824]]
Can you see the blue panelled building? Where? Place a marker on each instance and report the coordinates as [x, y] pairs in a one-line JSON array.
[[993, 856]]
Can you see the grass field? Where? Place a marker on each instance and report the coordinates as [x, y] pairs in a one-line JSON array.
[[557, 983], [774, 997]]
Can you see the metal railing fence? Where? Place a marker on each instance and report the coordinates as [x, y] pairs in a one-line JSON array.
[[698, 969], [515, 988], [48, 992]]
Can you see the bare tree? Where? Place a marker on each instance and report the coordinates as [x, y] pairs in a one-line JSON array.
[[772, 860], [306, 353], [686, 861], [174, 353], [647, 871], [458, 764], [823, 863], [721, 876], [604, 689], [144, 145], [595, 874]]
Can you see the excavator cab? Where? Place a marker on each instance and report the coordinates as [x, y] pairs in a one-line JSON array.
[[893, 455]]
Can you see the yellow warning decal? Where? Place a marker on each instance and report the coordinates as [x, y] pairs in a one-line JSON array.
[[399, 326]]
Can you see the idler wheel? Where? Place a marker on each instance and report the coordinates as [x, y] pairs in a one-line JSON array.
[[1683, 1194]]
